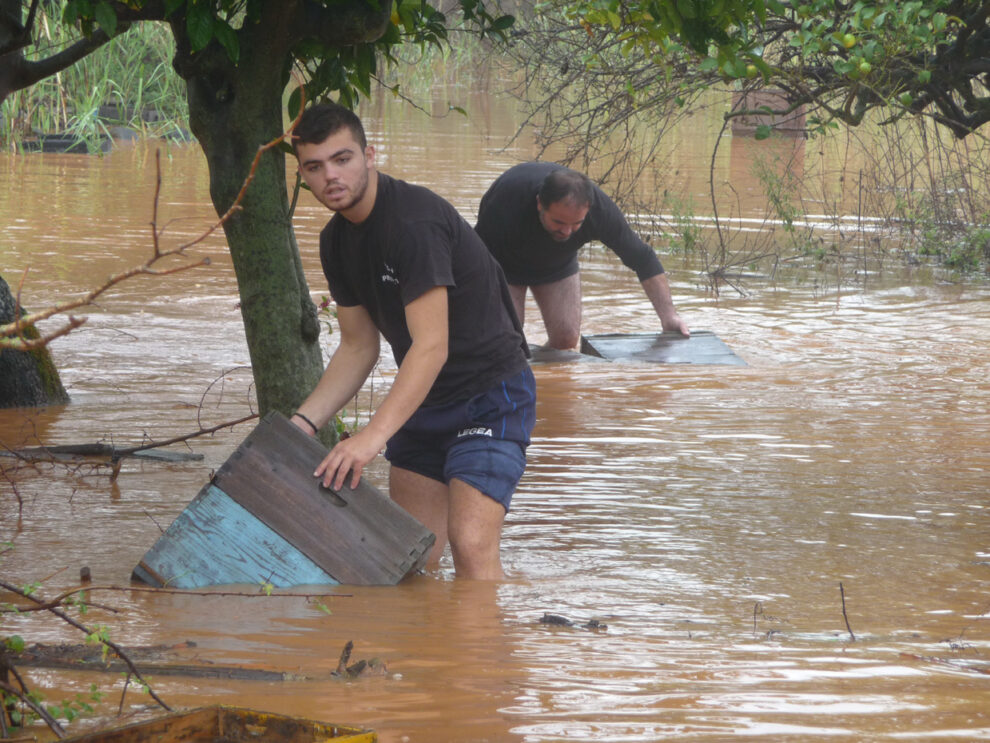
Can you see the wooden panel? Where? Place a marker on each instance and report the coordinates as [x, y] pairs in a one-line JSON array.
[[222, 724], [216, 541], [702, 347], [357, 536]]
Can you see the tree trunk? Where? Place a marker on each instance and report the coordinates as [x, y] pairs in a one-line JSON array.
[[233, 111], [27, 378]]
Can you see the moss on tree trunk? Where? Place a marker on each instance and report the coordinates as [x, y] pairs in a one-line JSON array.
[[234, 110], [27, 378]]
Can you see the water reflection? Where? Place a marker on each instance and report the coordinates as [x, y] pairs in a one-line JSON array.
[[705, 514]]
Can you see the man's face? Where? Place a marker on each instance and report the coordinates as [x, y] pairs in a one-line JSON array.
[[337, 170], [562, 218]]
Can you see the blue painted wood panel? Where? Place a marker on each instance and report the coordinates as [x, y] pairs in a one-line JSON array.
[[216, 541]]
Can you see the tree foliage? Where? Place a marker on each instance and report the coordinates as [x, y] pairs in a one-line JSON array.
[[337, 45], [236, 58], [841, 59]]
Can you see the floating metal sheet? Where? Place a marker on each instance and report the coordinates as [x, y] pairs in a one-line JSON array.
[[701, 347]]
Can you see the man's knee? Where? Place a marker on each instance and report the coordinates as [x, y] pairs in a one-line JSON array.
[[563, 339], [474, 541]]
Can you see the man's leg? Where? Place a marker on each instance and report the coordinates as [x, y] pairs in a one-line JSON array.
[[474, 525], [560, 305], [518, 294], [425, 499], [472, 521]]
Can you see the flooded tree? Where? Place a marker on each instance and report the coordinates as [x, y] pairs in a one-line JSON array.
[[237, 60], [605, 83], [28, 377]]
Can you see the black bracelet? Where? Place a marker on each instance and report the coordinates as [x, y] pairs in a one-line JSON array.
[[311, 424]]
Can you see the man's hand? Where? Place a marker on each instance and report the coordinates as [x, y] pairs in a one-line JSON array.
[[350, 455], [674, 322]]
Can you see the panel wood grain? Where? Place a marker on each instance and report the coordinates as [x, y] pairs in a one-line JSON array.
[[357, 536], [216, 541]]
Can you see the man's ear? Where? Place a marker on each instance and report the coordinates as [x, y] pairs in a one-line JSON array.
[[369, 154]]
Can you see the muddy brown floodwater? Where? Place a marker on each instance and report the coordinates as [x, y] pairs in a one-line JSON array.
[[706, 514]]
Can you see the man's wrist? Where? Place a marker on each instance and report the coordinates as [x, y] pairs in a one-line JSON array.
[[307, 421]]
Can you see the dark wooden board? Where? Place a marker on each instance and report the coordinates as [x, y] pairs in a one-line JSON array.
[[359, 536], [702, 347]]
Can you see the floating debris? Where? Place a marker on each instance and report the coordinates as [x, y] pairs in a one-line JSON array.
[[557, 620]]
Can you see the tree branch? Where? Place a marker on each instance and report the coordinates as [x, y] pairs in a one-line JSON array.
[[38, 709], [21, 73], [83, 628]]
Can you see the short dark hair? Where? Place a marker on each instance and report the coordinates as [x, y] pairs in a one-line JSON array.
[[321, 120], [563, 184]]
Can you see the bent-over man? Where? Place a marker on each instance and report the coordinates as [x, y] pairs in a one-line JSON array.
[[400, 261], [535, 218]]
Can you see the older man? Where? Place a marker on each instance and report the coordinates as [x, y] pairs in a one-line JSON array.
[[535, 218]]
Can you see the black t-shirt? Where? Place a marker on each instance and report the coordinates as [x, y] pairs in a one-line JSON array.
[[509, 223], [411, 242]]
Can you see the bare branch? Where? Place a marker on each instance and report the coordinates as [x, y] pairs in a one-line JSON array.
[[83, 628], [58, 600], [11, 334], [37, 708]]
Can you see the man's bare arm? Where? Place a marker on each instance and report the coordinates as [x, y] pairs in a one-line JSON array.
[[658, 290], [349, 366], [426, 318]]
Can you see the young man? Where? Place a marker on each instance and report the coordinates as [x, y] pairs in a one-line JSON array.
[[535, 217], [455, 424]]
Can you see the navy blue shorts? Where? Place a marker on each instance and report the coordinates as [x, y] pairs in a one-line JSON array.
[[481, 441]]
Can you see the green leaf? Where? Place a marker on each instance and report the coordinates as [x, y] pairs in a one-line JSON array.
[[763, 131], [254, 10], [503, 23], [106, 18], [295, 101], [228, 39], [686, 9], [199, 25], [14, 643], [71, 14]]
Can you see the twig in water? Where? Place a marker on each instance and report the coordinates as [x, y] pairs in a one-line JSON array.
[[842, 593], [123, 694]]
